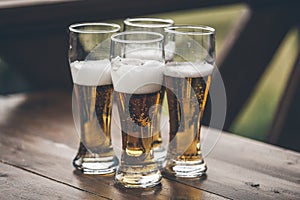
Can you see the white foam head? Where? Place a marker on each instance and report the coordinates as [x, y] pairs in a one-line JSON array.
[[150, 53], [169, 50], [91, 72], [186, 69], [144, 53], [136, 76]]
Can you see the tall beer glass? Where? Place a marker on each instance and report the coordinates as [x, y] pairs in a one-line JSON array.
[[92, 95], [137, 81], [187, 78], [154, 25], [147, 24]]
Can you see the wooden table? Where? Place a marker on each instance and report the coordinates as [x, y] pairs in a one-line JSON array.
[[38, 143]]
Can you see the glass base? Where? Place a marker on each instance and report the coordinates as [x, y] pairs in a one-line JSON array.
[[95, 163], [186, 169], [138, 176], [88, 165], [160, 154]]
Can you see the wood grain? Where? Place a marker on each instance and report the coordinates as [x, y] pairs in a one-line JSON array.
[[53, 160], [38, 144], [16, 183], [37, 133], [240, 168], [258, 156]]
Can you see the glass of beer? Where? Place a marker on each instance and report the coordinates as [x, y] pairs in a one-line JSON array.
[[137, 81], [187, 79], [89, 53], [154, 25], [147, 24]]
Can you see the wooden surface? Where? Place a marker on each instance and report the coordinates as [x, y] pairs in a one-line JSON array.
[[38, 142]]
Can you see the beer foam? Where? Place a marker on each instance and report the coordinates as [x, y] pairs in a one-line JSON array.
[[144, 53], [91, 72], [186, 69], [149, 53], [136, 76], [169, 50]]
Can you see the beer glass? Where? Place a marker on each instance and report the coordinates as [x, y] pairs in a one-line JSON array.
[[154, 25], [147, 24], [187, 79], [137, 81], [89, 53]]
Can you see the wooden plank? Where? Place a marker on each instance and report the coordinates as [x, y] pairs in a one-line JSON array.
[[257, 156], [48, 115], [16, 183], [53, 160], [38, 144], [241, 168], [236, 182], [275, 170], [236, 165]]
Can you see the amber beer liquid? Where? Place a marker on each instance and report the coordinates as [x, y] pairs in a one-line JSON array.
[[95, 106], [138, 97], [137, 127], [187, 89], [155, 25], [93, 91], [157, 144]]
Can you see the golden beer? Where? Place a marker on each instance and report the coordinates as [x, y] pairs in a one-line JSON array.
[[137, 81], [88, 55], [137, 121], [187, 78], [187, 93], [138, 111], [95, 154], [155, 25], [92, 109]]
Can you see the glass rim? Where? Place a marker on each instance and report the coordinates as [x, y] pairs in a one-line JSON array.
[[209, 30], [158, 39], [73, 27], [131, 22]]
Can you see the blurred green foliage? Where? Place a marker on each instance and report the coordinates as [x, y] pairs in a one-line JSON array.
[[255, 120]]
